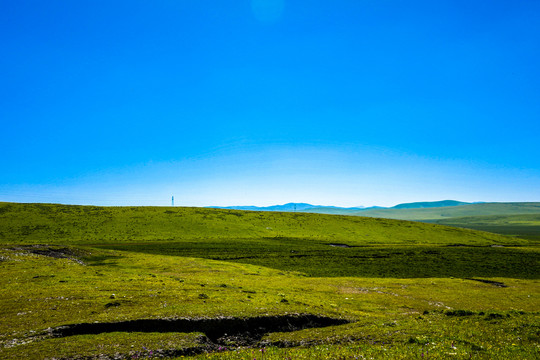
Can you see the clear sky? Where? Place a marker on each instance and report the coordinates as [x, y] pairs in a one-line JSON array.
[[261, 102]]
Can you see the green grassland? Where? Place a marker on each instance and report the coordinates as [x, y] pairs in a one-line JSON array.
[[64, 224], [525, 226], [448, 212], [407, 289]]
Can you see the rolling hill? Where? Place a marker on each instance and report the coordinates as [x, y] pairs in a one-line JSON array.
[[70, 224]]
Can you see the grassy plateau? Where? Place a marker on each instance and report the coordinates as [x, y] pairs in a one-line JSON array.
[[85, 282]]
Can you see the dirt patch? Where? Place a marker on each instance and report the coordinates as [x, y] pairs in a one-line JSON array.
[[225, 331], [340, 245], [51, 251]]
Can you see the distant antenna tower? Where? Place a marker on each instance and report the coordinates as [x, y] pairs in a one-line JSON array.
[[172, 201]]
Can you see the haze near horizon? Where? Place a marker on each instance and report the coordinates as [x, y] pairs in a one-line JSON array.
[[265, 102]]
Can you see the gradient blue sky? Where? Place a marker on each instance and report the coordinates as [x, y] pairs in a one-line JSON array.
[[269, 101]]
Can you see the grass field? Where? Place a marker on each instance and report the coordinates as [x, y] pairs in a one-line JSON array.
[[225, 284], [525, 226]]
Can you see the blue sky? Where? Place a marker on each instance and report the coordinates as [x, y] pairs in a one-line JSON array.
[[260, 102]]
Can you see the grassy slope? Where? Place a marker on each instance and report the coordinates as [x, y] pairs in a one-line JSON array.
[[385, 288], [64, 224], [526, 226]]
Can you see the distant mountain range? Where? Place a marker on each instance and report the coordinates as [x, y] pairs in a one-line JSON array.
[[303, 207], [285, 207], [429, 204], [428, 211]]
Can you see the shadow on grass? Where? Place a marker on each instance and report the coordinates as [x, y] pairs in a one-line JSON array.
[[101, 260], [321, 260]]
